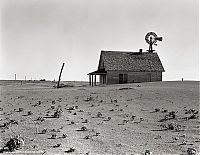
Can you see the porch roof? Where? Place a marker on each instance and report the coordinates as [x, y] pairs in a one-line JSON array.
[[98, 72]]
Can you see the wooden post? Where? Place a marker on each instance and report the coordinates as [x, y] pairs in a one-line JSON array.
[[60, 75], [90, 79], [15, 76], [100, 82], [95, 79]]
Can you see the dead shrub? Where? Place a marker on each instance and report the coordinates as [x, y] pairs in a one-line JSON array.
[[191, 151], [70, 150], [172, 126], [21, 109], [14, 143], [57, 113]]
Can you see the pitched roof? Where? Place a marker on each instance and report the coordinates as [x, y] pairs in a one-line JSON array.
[[130, 61]]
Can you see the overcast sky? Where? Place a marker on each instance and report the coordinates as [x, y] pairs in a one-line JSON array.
[[37, 36]]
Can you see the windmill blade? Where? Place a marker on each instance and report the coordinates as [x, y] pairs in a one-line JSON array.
[[159, 38]]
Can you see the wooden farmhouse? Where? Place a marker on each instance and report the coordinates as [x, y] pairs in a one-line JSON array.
[[117, 67]]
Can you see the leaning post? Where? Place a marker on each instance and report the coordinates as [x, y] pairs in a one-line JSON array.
[[60, 75]]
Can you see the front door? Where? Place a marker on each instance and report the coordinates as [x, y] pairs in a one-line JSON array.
[[120, 78], [123, 78]]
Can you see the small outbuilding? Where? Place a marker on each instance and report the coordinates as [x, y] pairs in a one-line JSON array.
[[116, 67]]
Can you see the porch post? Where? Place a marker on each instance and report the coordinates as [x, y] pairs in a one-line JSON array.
[[90, 79], [100, 79], [95, 79]]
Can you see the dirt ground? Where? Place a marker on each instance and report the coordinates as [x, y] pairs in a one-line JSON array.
[[114, 119]]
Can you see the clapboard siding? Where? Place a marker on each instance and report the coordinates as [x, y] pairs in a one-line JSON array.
[[113, 76]]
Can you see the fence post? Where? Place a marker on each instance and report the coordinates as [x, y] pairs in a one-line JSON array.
[[60, 75]]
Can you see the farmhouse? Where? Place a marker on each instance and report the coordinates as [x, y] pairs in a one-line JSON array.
[[116, 67]]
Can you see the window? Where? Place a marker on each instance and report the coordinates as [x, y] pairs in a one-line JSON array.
[[125, 78]]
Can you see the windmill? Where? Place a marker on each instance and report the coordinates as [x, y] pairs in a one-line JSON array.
[[151, 38]]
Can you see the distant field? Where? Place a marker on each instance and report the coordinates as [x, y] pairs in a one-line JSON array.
[[41, 83], [119, 119]]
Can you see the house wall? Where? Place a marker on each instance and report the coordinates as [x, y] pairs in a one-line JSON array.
[[113, 76]]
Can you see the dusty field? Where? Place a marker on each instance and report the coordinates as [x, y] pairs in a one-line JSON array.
[[119, 119]]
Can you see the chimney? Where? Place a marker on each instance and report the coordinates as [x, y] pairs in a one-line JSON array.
[[140, 51]]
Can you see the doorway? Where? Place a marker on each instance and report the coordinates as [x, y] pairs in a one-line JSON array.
[[120, 78], [123, 78]]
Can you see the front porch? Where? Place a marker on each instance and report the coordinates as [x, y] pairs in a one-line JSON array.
[[102, 77]]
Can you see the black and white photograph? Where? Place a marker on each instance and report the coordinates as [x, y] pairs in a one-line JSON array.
[[99, 77]]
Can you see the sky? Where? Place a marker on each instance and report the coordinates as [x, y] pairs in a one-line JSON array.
[[37, 36]]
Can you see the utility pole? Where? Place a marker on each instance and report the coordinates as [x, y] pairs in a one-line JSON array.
[[60, 75]]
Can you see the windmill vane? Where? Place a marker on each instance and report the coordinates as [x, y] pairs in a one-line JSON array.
[[151, 38]]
